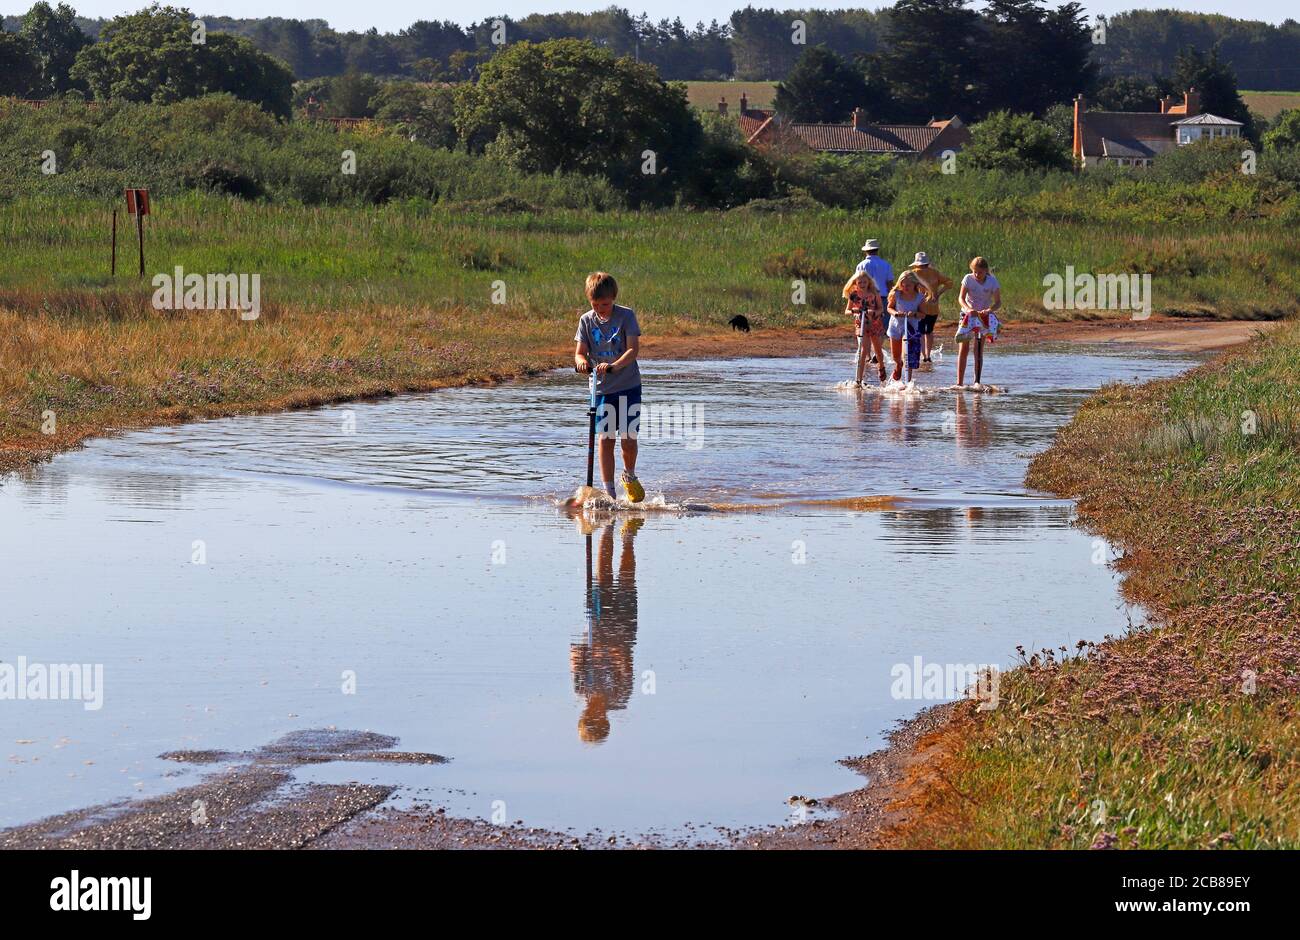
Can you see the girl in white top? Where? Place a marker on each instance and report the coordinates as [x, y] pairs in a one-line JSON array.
[[980, 296]]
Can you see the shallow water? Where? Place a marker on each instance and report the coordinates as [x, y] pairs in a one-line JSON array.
[[634, 673]]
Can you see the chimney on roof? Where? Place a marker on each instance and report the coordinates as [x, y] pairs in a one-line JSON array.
[[722, 105], [859, 119], [1191, 102], [744, 102], [1166, 104], [1080, 105]]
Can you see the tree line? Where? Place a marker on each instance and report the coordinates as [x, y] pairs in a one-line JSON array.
[[755, 43], [1142, 43], [565, 121], [824, 87], [1012, 57]]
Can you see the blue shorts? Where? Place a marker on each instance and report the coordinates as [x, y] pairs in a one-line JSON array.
[[619, 413], [903, 327]]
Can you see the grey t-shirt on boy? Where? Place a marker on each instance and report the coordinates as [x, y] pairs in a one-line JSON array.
[[606, 342]]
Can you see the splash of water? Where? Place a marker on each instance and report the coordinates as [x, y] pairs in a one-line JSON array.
[[894, 388], [592, 501]]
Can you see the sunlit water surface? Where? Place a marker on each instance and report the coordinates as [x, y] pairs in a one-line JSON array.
[[636, 673]]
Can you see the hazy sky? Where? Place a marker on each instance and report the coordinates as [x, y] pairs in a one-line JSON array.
[[392, 15]]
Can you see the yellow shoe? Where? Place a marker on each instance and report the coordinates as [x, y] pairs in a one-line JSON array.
[[633, 488]]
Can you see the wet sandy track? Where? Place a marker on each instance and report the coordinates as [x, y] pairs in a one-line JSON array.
[[254, 803]]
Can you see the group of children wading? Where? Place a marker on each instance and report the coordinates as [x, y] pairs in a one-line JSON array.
[[906, 310], [608, 342]]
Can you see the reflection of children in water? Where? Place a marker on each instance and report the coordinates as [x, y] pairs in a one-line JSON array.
[[903, 414], [970, 428], [866, 416], [897, 414], [602, 662]]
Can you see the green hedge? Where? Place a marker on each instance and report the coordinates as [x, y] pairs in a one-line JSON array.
[[219, 144]]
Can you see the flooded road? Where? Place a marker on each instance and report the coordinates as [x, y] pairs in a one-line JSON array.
[[399, 567]]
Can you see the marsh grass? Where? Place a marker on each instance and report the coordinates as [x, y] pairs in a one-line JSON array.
[[145, 366], [1183, 733], [799, 264], [360, 300], [1207, 775], [682, 263]]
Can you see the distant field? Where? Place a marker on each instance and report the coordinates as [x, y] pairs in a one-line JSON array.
[[705, 95], [1268, 104]]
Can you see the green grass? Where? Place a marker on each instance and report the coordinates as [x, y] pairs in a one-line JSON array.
[[361, 300], [1184, 734], [674, 265], [1209, 775]]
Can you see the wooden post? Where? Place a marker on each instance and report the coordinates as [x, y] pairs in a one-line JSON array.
[[139, 227], [137, 204], [112, 269]]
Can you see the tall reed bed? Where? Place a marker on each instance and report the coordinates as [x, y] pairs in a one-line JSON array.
[[703, 266]]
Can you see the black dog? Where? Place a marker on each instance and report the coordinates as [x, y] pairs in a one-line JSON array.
[[739, 322]]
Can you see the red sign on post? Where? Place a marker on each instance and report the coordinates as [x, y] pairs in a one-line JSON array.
[[137, 202]]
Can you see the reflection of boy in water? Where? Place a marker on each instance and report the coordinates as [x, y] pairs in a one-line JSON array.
[[602, 662]]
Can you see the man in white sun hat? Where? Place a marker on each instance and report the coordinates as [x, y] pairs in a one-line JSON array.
[[881, 271], [877, 268]]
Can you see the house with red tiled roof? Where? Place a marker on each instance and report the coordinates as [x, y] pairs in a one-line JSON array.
[[763, 127], [1136, 138], [749, 119]]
